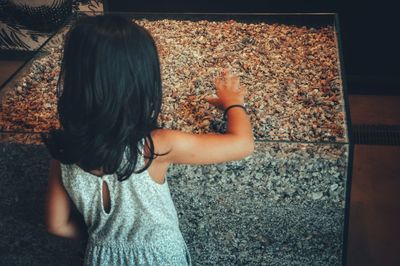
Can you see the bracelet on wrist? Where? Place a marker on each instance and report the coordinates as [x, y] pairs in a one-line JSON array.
[[232, 106]]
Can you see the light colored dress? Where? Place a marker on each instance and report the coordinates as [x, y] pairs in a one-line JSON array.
[[141, 227]]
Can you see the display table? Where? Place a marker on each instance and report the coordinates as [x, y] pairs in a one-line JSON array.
[[284, 205]]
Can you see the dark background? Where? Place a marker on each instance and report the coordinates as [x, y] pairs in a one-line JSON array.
[[368, 30]]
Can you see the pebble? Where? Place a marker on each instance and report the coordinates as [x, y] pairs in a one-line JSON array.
[[316, 195], [334, 187]]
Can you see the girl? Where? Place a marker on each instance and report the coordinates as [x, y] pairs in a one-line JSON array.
[[110, 157]]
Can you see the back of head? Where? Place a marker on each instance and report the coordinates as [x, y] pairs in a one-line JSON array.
[[111, 95]]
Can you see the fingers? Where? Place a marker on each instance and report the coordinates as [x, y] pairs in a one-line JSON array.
[[233, 82], [226, 73], [243, 90], [228, 79], [215, 102], [228, 90], [212, 100], [218, 82]]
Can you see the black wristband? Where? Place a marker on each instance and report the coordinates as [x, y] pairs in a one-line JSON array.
[[232, 106]]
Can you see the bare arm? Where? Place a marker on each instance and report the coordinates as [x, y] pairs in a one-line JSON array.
[[235, 144], [59, 219]]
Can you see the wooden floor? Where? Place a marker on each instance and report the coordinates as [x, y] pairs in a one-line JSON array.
[[374, 229]]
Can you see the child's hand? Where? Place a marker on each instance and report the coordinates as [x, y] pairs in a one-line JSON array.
[[228, 91], [235, 143]]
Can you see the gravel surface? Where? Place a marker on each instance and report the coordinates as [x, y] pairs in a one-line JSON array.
[[284, 205], [291, 73], [249, 212], [23, 181]]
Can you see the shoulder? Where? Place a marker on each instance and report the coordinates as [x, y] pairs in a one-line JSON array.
[[163, 140], [167, 139], [161, 134], [171, 143]]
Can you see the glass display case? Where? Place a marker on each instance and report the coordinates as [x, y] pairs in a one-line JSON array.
[[287, 203]]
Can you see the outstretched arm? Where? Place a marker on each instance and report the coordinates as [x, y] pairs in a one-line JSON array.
[[235, 144], [59, 218]]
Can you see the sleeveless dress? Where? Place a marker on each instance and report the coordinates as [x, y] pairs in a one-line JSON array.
[[141, 227]]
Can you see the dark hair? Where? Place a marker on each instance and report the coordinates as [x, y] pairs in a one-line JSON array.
[[111, 96]]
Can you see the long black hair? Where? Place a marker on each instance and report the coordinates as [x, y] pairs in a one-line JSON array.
[[111, 96]]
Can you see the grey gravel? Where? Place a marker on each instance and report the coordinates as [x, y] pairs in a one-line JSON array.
[[248, 212]]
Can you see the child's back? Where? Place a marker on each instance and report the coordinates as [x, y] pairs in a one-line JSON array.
[[137, 226], [111, 156]]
